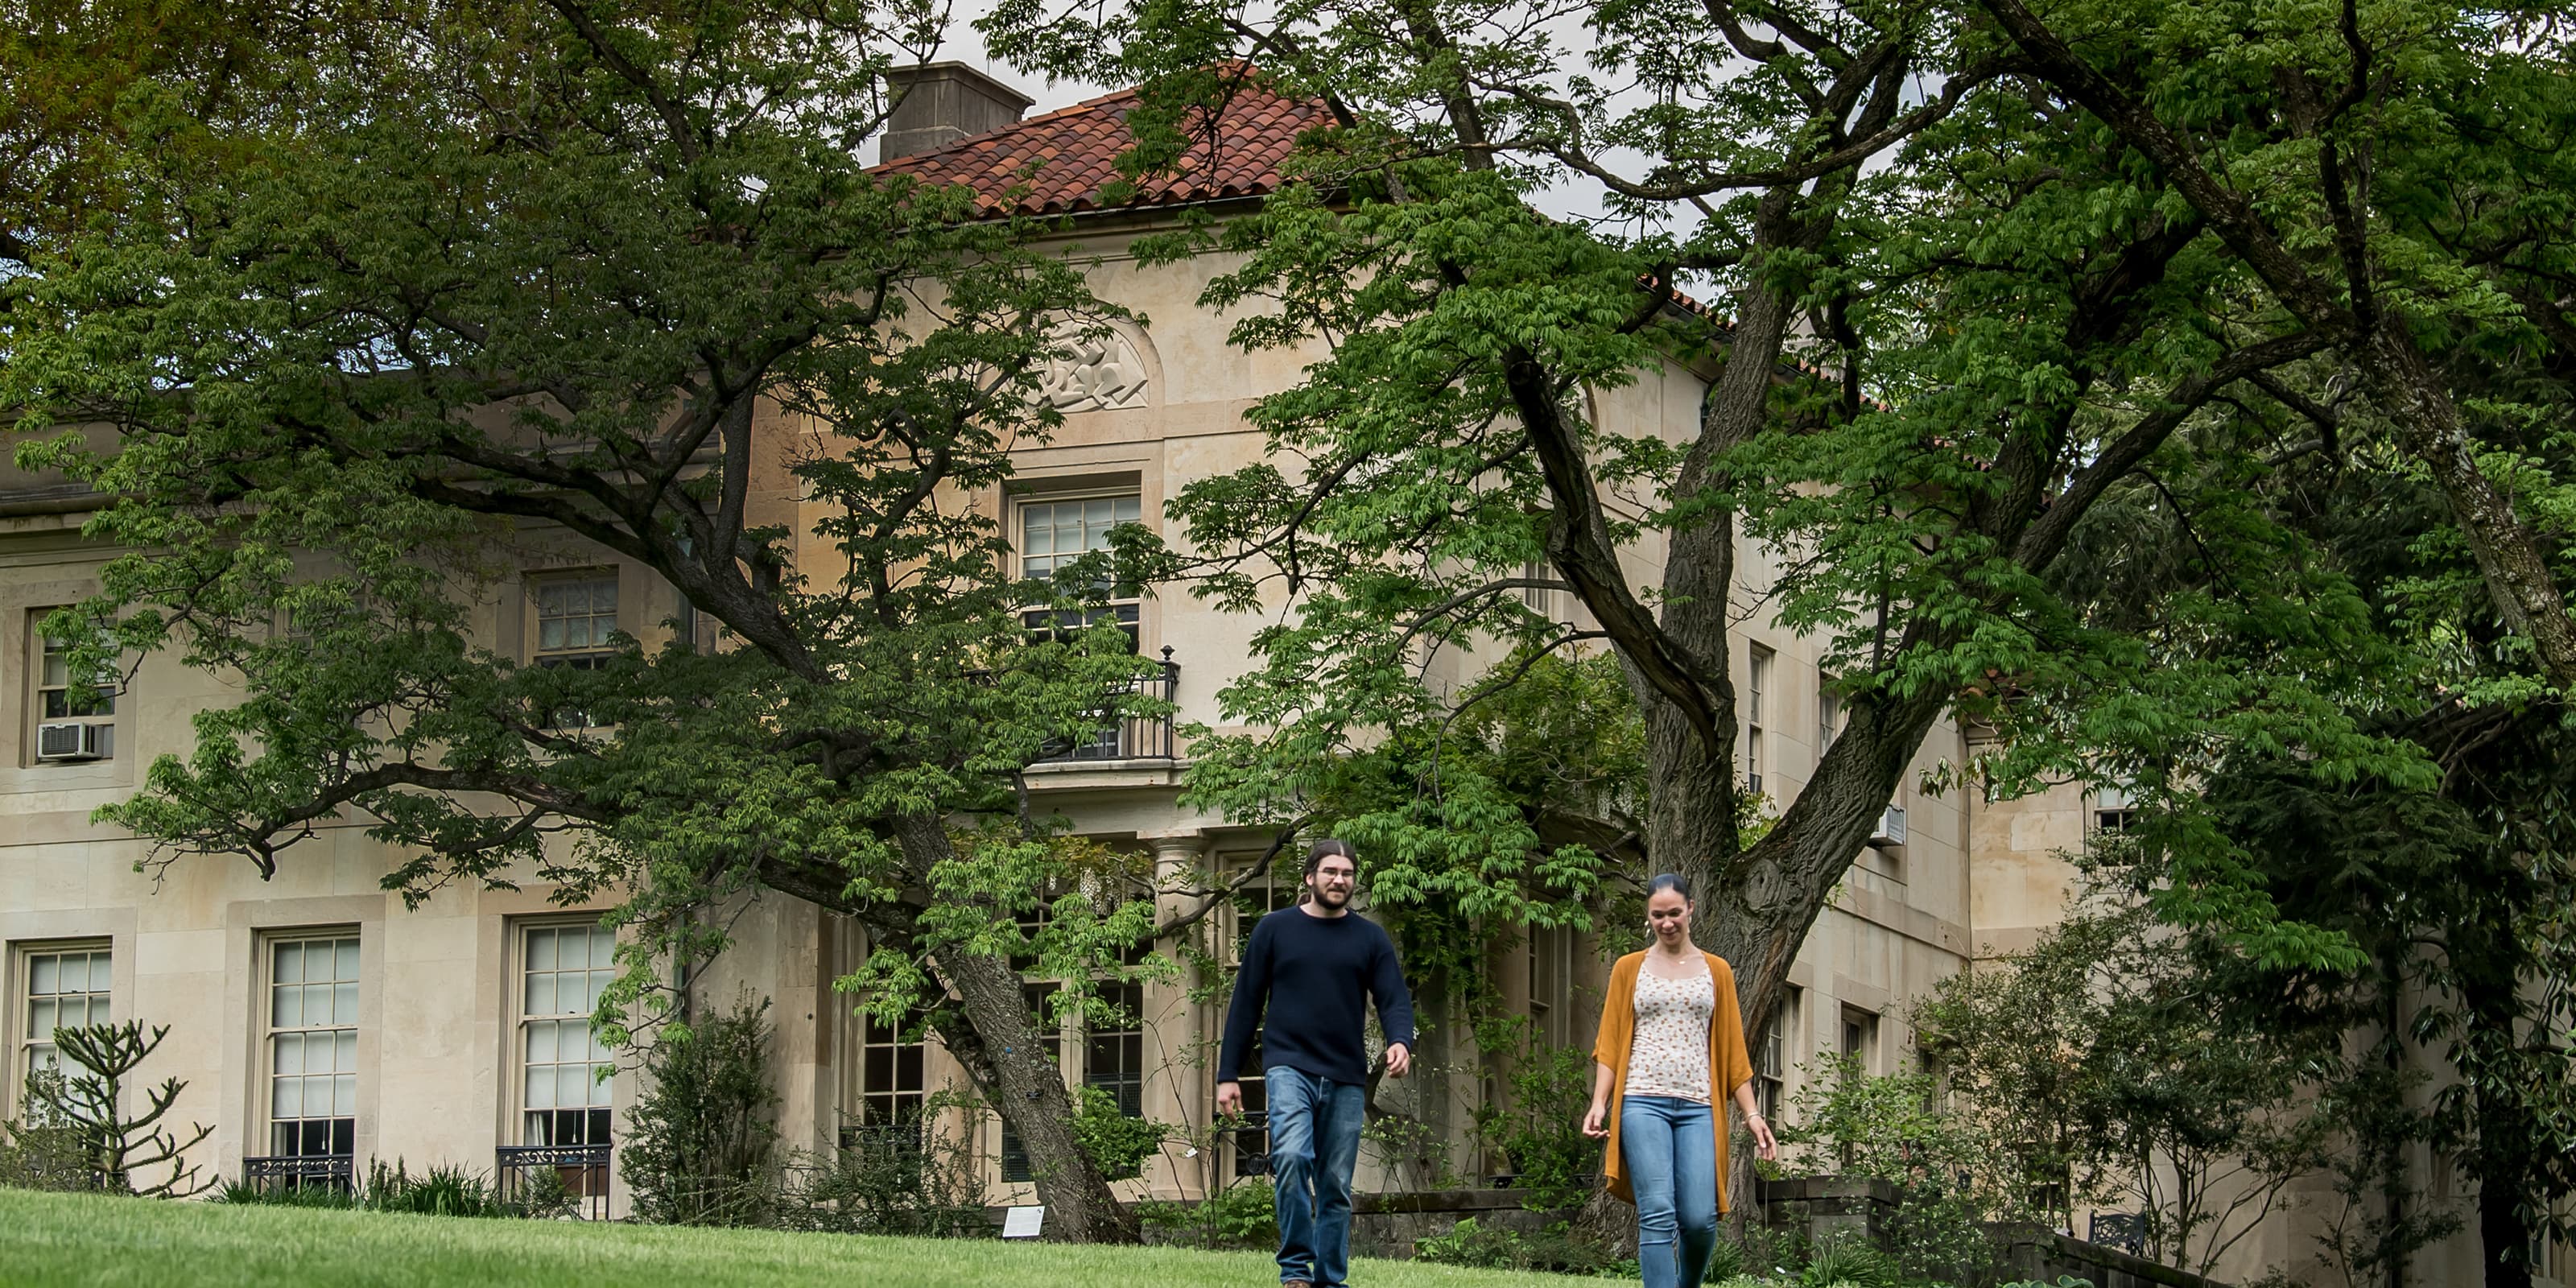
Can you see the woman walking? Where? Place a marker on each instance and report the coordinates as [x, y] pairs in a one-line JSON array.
[[1671, 1051]]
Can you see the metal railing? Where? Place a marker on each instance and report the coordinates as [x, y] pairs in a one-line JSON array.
[[274, 1172], [581, 1172], [1127, 737], [2126, 1231]]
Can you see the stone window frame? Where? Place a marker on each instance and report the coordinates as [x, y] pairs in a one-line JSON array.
[[100, 953], [269, 942], [39, 648], [518, 1021]]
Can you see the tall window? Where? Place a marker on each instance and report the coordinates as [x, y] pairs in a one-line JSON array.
[[564, 1100], [1113, 1050], [1055, 533], [575, 616], [313, 1047], [1550, 948], [1757, 678], [1771, 1062], [1829, 713], [61, 987], [1860, 1038], [892, 1084]]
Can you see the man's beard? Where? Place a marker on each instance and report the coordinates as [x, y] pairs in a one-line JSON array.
[[1330, 897]]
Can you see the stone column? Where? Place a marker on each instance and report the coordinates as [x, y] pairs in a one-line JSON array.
[[1177, 1086]]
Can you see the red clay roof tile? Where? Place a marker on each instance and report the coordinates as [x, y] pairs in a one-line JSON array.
[[1062, 162]]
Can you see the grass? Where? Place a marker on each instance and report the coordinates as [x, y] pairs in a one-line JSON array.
[[62, 1240]]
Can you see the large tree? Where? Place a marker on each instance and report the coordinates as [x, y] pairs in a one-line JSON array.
[[1950, 320], [572, 283]]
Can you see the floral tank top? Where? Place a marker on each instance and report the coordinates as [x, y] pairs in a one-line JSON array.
[[1669, 1054]]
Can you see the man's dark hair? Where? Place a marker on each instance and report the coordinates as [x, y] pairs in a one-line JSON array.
[[1327, 848]]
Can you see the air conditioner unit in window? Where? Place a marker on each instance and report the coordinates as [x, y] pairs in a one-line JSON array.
[[68, 741], [1891, 828]]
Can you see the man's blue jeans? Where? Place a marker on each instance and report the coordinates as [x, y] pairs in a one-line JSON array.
[[1671, 1156], [1314, 1146]]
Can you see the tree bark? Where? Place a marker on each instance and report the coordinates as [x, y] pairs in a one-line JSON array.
[[991, 1034]]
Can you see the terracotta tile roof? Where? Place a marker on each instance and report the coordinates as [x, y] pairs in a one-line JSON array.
[[1060, 162]]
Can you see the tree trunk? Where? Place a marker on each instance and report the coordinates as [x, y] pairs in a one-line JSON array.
[[2509, 554], [991, 1034]]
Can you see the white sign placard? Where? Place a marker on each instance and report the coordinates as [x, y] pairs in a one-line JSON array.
[[1023, 1222]]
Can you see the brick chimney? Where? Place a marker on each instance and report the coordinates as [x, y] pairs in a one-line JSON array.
[[937, 104]]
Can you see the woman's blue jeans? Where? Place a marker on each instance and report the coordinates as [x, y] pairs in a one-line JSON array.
[[1670, 1150], [1314, 1147]]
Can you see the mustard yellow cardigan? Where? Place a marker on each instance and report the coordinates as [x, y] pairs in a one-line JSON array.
[[1729, 1066]]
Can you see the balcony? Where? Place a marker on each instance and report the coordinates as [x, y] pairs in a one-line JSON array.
[[568, 1178], [1123, 737], [271, 1173]]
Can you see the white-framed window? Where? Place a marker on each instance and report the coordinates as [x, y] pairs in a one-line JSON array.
[[1829, 712], [1107, 1053], [1771, 1061], [575, 615], [2114, 811], [69, 726], [893, 1066], [311, 1044], [1860, 1038], [1113, 1048], [1757, 679], [563, 968], [572, 615], [1054, 531], [1551, 951], [57, 986]]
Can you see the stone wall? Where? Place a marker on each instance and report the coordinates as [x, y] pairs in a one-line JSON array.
[[1827, 1208]]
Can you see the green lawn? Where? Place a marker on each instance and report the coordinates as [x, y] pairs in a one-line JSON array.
[[55, 1241]]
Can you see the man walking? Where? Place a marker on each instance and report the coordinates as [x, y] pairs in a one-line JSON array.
[[1314, 967]]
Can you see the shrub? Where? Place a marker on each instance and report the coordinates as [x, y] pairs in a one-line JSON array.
[[1116, 1144], [42, 1152], [1242, 1215], [914, 1178], [697, 1147], [1473, 1245], [1540, 1126], [1559, 1248], [441, 1191], [125, 1150]]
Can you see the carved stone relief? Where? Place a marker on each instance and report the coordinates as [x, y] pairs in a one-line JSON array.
[[1098, 373]]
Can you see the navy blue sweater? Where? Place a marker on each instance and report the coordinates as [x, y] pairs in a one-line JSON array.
[[1315, 976]]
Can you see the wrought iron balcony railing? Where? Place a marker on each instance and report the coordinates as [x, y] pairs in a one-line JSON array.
[[272, 1172], [581, 1172], [1120, 736]]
